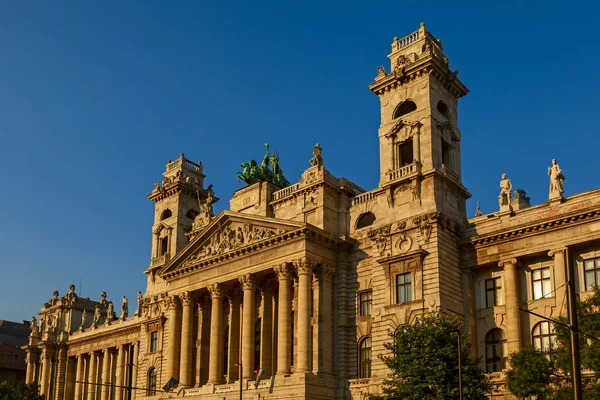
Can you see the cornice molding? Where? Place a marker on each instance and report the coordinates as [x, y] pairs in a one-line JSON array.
[[111, 333]]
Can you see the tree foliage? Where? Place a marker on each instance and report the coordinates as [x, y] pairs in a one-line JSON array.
[[21, 391], [423, 362], [549, 375]]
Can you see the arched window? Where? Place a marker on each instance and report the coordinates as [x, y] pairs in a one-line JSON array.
[[226, 351], [365, 219], [543, 336], [443, 109], [191, 214], [257, 345], [151, 388], [364, 358], [495, 350], [404, 108], [166, 214]]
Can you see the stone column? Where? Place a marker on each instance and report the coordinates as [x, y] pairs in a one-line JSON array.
[[560, 278], [120, 374], [201, 311], [174, 336], [136, 351], [106, 378], [266, 331], [284, 319], [32, 358], [45, 376], [187, 326], [323, 320], [61, 372], [513, 319], [472, 315], [79, 377], [248, 326], [235, 300], [70, 378], [92, 377], [215, 367], [304, 269]]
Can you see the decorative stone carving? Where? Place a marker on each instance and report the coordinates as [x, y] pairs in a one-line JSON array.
[[512, 261], [478, 210], [33, 326], [185, 298], [140, 301], [304, 266], [404, 242], [215, 290], [246, 281], [97, 316], [124, 308], [71, 296], [283, 271], [556, 181], [231, 238], [83, 320], [55, 297], [381, 72], [103, 301], [110, 313], [505, 193], [171, 302], [317, 159], [380, 245]]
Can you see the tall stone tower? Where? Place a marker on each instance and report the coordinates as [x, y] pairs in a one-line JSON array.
[[177, 201], [419, 140], [410, 226]]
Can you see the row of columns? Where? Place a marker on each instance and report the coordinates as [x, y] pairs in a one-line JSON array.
[[180, 327], [514, 339], [90, 376]]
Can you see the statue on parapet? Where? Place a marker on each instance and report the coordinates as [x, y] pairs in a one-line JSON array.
[[556, 181], [97, 316], [83, 319], [317, 159], [124, 308], [140, 299], [268, 170], [505, 192], [35, 332], [110, 312]]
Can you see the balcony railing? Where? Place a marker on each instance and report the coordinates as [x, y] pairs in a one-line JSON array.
[[403, 171], [159, 261]]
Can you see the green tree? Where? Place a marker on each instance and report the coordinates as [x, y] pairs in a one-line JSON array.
[[549, 375], [531, 374], [423, 362], [21, 391]]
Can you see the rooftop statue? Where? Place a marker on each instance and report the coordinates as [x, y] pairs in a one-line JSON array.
[[556, 180], [252, 172]]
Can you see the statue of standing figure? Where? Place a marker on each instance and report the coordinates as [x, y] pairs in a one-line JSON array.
[[124, 308], [34, 327], [110, 312], [97, 316], [140, 299], [556, 180], [505, 191], [317, 159], [83, 319]]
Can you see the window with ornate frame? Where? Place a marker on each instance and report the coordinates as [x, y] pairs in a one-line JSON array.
[[496, 350], [151, 387], [542, 283], [493, 292], [591, 271], [365, 300], [543, 337], [403, 288], [364, 358]]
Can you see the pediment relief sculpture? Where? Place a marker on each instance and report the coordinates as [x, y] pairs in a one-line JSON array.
[[232, 237]]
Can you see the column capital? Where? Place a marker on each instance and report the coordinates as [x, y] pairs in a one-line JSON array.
[[172, 302], [304, 265], [324, 271], [511, 261], [215, 290], [554, 252], [247, 282], [283, 272], [186, 298]]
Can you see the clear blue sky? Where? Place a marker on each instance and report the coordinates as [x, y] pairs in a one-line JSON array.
[[95, 97]]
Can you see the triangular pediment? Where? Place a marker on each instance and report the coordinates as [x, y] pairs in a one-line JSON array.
[[229, 235]]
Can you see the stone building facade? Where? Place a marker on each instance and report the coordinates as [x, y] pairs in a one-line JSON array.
[[306, 282], [13, 335]]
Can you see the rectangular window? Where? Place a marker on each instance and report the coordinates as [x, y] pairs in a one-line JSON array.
[[403, 288], [365, 299], [541, 283], [592, 273], [493, 292], [446, 154], [153, 341], [405, 153]]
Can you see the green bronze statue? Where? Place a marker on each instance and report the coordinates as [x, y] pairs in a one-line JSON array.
[[252, 172]]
